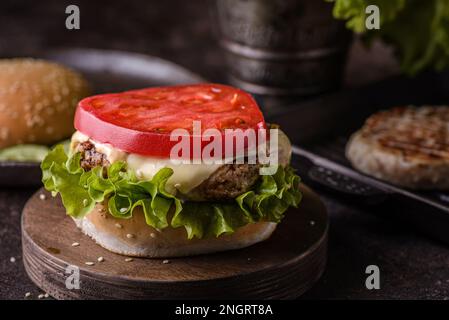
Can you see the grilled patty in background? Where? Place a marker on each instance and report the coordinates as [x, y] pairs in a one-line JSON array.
[[407, 146]]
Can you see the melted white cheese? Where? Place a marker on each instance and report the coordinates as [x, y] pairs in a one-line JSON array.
[[185, 176], [112, 154]]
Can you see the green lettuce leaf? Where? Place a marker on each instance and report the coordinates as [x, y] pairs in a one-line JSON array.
[[417, 29], [24, 153], [354, 12], [28, 152], [80, 190]]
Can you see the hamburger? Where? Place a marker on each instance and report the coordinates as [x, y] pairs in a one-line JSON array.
[[37, 104], [124, 186]]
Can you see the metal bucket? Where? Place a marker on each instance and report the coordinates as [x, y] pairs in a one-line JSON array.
[[282, 47]]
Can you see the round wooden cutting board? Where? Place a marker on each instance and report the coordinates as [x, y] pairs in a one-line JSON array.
[[282, 267]]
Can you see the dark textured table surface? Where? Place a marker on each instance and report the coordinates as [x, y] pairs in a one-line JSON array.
[[411, 265]]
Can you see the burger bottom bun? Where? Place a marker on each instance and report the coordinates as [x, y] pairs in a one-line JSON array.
[[133, 237]]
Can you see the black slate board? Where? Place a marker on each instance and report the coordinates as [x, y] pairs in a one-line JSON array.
[[321, 128]]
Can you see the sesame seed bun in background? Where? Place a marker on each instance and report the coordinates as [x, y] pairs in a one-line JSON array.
[[37, 101]]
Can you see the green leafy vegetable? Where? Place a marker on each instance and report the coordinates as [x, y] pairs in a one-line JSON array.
[[419, 30], [354, 11], [24, 152], [65, 143], [28, 152], [80, 190]]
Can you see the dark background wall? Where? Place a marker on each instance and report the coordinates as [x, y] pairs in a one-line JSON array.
[[183, 31], [180, 30]]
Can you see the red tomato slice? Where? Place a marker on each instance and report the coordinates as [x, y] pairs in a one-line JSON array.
[[140, 121]]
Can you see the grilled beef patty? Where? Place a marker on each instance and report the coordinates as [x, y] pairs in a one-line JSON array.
[[90, 157], [407, 146]]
